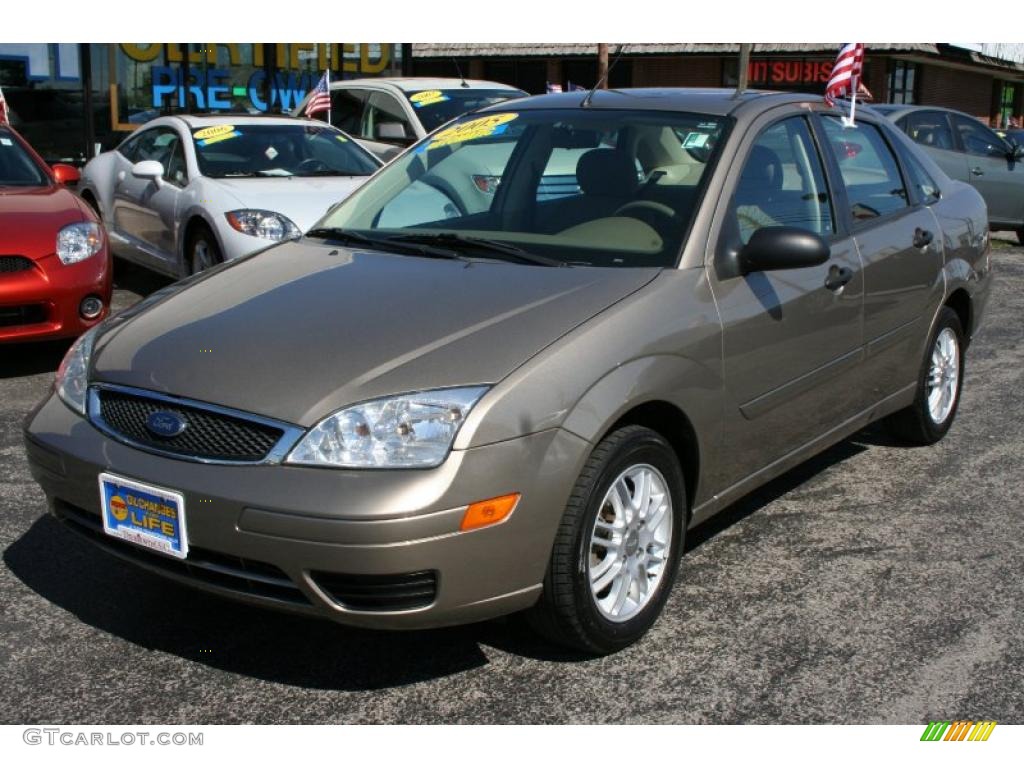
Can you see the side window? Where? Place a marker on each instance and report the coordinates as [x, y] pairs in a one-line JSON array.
[[174, 169], [872, 178], [924, 185], [347, 109], [930, 129], [782, 183], [129, 147], [385, 109], [979, 140]]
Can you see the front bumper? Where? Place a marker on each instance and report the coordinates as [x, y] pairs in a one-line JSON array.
[[266, 534], [48, 296]]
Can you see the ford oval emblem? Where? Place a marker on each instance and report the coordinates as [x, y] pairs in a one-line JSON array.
[[165, 424]]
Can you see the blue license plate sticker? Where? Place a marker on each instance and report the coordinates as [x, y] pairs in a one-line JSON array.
[[144, 514]]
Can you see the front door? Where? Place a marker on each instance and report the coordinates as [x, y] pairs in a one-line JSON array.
[[993, 171], [791, 344]]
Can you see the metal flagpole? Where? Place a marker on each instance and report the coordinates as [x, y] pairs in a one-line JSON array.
[[329, 121]]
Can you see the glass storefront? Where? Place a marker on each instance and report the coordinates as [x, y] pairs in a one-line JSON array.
[[66, 98]]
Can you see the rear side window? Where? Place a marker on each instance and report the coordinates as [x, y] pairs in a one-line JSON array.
[[347, 109], [870, 173], [782, 183], [979, 140], [924, 185], [929, 129]]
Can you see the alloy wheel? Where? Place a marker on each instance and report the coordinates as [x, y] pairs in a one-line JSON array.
[[943, 376], [629, 543]]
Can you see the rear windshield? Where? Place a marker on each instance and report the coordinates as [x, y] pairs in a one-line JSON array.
[[435, 108], [279, 149], [611, 188], [17, 167]]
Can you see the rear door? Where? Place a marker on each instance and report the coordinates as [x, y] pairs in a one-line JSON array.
[[932, 129], [791, 345], [999, 178], [900, 247]]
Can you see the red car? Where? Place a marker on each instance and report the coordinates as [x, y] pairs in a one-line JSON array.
[[55, 267]]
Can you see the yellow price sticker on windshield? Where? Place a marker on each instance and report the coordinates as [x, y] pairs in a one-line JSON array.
[[215, 133], [426, 98], [481, 127]]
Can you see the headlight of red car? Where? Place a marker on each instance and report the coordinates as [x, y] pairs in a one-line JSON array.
[[77, 242]]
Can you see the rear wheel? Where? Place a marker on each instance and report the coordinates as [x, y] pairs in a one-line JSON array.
[[1020, 236], [617, 549], [931, 414], [202, 250]]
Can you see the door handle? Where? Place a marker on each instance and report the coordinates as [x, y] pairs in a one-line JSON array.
[[922, 238], [838, 277], [977, 171]]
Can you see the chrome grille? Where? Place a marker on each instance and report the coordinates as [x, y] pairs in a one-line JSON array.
[[212, 433]]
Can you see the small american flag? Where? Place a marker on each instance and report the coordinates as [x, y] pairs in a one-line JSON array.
[[4, 117], [845, 72], [554, 88], [321, 98]]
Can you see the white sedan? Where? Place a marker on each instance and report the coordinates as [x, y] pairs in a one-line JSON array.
[[185, 192]]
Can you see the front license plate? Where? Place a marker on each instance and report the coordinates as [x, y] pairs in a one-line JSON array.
[[144, 514]]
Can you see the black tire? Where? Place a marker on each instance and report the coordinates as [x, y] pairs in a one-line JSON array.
[[1020, 236], [915, 424], [201, 236], [566, 613]]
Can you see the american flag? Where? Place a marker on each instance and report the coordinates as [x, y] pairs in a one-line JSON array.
[[554, 88], [4, 117], [845, 72], [321, 99]]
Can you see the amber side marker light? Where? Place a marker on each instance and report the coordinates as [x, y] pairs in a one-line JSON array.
[[483, 513]]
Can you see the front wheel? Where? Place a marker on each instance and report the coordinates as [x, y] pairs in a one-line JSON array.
[[617, 549], [202, 250], [930, 416]]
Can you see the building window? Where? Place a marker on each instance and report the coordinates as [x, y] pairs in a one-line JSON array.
[[902, 78]]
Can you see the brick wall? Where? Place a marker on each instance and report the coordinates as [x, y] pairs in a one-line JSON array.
[[967, 91], [689, 71]]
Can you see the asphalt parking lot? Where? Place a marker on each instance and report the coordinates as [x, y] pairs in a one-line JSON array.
[[874, 584]]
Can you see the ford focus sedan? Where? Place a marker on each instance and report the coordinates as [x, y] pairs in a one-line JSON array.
[[428, 412], [184, 193], [55, 275]]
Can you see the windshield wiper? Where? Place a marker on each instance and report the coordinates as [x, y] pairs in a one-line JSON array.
[[497, 248], [383, 243]]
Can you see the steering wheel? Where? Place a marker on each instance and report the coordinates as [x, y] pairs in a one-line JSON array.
[[311, 165], [657, 215]]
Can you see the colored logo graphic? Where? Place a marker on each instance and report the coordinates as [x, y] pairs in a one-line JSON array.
[[165, 424], [118, 508], [958, 730]]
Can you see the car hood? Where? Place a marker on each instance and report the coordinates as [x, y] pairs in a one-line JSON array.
[[303, 199], [31, 217], [303, 329]]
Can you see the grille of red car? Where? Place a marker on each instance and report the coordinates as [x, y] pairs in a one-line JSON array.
[[23, 314], [14, 264]]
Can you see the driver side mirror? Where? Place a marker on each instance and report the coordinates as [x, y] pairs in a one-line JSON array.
[[773, 248], [393, 132], [149, 169], [65, 174], [1016, 151]]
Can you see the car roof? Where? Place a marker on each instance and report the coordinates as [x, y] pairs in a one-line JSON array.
[[710, 101], [413, 84], [241, 118]]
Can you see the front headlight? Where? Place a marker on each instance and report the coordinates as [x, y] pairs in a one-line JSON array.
[[73, 375], [77, 242], [415, 430], [265, 224]]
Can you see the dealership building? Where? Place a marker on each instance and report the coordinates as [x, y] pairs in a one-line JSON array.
[[67, 98]]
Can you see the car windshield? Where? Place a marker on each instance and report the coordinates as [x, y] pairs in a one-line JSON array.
[[279, 149], [17, 167], [435, 108], [612, 188]]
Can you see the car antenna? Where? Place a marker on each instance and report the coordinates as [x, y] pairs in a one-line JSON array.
[[586, 99], [459, 70]]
